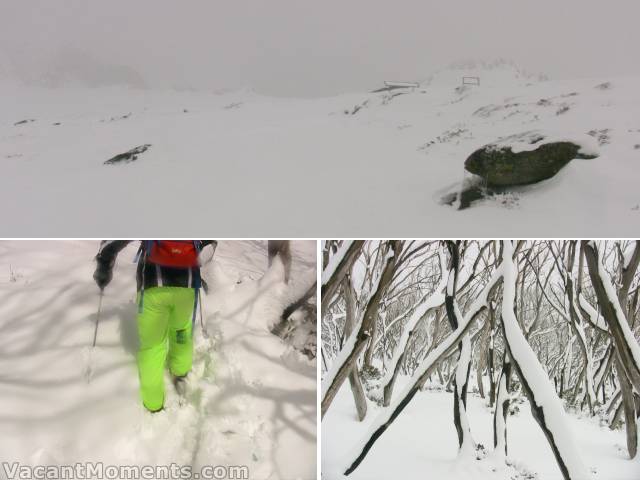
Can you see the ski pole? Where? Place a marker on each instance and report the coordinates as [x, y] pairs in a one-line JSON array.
[[95, 333], [88, 371], [205, 334]]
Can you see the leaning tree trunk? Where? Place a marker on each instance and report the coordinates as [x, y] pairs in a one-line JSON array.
[[625, 344], [502, 409], [356, 343], [628, 404], [479, 372], [388, 415], [338, 266], [628, 407], [428, 303], [460, 384], [482, 358], [461, 379], [546, 407], [370, 350], [354, 379], [577, 324], [490, 354]]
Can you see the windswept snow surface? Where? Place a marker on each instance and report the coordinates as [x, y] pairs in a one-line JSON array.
[[278, 167], [422, 443], [251, 399]]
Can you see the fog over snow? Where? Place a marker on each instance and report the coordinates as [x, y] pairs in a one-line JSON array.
[[265, 114], [293, 48]]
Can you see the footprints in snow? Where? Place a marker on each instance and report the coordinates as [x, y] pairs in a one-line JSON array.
[[213, 424]]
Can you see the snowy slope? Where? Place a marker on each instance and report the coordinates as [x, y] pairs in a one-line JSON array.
[[265, 166], [422, 443], [251, 398]]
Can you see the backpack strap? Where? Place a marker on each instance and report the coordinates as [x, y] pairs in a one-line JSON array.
[[141, 257], [143, 253], [197, 283]]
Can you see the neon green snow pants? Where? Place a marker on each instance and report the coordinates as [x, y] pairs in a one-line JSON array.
[[164, 328]]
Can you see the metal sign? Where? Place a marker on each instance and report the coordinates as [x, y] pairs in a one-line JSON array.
[[471, 80], [401, 84]]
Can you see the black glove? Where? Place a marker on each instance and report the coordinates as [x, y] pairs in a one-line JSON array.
[[102, 275]]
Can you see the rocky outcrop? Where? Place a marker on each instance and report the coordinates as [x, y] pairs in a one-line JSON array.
[[128, 157], [500, 166]]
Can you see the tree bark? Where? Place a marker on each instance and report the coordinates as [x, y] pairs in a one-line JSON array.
[[628, 405], [502, 408], [545, 405], [354, 378], [331, 285], [461, 379], [577, 324], [338, 373], [614, 316], [490, 354], [368, 353]]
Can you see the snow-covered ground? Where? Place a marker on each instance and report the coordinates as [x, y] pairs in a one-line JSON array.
[[251, 399], [262, 166], [422, 443]]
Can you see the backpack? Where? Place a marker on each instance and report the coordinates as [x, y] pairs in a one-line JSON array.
[[171, 253]]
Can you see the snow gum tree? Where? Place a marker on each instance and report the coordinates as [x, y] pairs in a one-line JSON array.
[[551, 324]]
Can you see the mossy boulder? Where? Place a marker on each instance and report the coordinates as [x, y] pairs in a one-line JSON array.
[[500, 166]]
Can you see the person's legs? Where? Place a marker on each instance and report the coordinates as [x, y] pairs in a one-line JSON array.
[[152, 329], [180, 331]]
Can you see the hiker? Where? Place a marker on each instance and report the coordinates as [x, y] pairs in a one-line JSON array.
[[168, 283]]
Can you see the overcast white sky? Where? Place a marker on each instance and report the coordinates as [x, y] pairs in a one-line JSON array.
[[311, 48]]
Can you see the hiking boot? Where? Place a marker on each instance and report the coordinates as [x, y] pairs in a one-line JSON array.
[[180, 384]]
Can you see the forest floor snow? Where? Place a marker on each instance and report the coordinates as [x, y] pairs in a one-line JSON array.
[[422, 443]]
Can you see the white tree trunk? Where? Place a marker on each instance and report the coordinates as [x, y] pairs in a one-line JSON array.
[[545, 404]]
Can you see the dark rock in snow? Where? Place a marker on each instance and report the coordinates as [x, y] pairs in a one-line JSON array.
[[115, 119], [128, 157], [473, 191], [465, 197], [499, 166], [22, 122]]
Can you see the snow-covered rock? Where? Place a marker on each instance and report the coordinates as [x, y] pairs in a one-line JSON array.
[[508, 162]]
